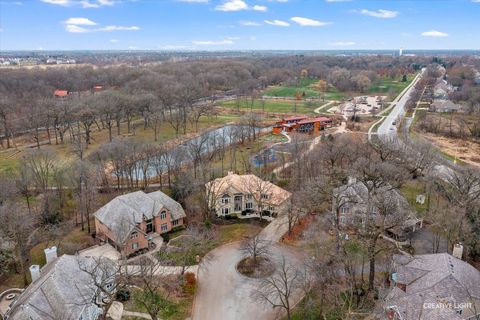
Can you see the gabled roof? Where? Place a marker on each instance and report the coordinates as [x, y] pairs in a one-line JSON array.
[[61, 93], [358, 193], [295, 118], [249, 184], [433, 278], [63, 290], [125, 212], [313, 120], [445, 104]]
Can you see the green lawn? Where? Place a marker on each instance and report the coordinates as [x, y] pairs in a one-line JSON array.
[[386, 84], [410, 190], [178, 309], [235, 232], [8, 165], [272, 106], [281, 91], [383, 87]]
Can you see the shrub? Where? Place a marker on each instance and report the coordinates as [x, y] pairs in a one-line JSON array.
[[190, 282], [123, 295]]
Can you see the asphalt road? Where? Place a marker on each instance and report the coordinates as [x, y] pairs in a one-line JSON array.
[[225, 294], [387, 131]]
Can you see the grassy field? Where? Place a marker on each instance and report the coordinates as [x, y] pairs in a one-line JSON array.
[[388, 84], [239, 161], [383, 87], [281, 106], [281, 91]]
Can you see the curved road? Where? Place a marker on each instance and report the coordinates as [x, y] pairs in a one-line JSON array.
[[225, 294]]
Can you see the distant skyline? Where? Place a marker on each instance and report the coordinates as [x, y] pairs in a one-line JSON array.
[[239, 25]]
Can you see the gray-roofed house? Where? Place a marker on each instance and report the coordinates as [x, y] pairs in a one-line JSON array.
[[64, 289], [350, 203], [444, 106], [441, 90], [433, 287], [130, 221]]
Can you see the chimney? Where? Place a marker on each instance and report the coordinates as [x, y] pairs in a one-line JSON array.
[[230, 173], [35, 272], [50, 254], [352, 180], [458, 251]]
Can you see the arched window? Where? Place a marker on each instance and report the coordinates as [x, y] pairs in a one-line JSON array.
[[163, 215]]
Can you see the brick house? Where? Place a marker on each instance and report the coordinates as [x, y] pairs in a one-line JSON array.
[[129, 222]]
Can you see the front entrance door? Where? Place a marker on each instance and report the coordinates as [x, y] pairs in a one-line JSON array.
[[237, 203], [150, 226]]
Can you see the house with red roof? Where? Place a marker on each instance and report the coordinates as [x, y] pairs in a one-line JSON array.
[[61, 93], [303, 124]]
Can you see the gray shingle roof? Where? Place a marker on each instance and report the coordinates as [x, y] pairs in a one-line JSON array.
[[63, 291], [125, 212], [357, 192], [434, 278]]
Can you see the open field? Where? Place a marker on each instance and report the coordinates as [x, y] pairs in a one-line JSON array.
[[292, 91], [451, 134], [267, 105], [457, 149], [384, 86], [388, 84]]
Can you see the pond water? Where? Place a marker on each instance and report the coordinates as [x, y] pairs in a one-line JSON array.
[[206, 143], [264, 157]]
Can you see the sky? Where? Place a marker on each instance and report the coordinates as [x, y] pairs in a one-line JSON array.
[[239, 24]]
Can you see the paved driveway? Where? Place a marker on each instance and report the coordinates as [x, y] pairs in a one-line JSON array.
[[105, 250], [274, 231], [224, 294]]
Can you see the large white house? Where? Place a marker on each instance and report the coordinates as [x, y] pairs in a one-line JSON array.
[[246, 195]]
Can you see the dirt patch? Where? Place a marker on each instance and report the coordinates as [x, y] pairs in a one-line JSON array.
[[298, 230], [466, 150], [362, 125], [260, 267]]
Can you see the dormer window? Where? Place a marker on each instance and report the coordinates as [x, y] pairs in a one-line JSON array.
[[163, 215], [225, 199]]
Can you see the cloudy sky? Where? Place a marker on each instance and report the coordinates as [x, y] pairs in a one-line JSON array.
[[238, 24]]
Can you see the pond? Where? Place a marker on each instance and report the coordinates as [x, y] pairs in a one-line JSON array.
[[205, 143], [264, 157]]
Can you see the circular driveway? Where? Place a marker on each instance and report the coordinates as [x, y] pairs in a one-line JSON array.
[[224, 294]]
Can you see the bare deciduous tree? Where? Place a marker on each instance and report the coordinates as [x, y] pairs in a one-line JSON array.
[[255, 247], [278, 290]]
